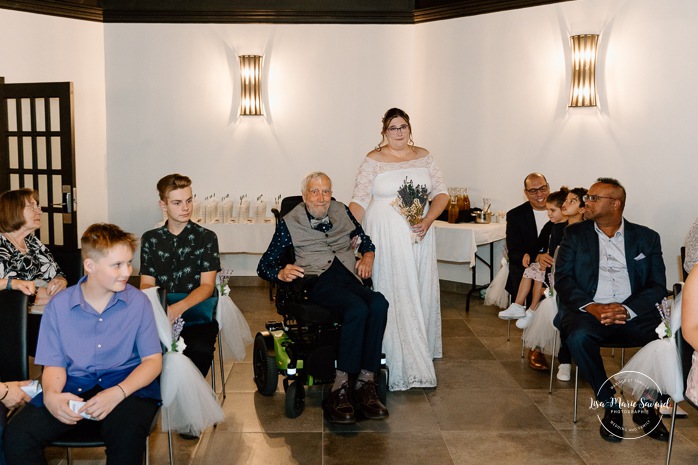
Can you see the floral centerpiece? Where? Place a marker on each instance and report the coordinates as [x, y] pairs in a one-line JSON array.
[[664, 328], [410, 202], [223, 277]]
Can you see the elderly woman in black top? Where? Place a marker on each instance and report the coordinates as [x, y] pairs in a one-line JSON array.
[[25, 263]]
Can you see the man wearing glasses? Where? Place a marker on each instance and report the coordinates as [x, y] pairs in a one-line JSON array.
[[527, 232], [609, 276]]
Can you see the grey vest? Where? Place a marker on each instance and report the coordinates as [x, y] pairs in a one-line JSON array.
[[315, 250]]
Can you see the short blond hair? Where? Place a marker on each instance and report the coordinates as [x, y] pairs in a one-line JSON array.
[[100, 238]]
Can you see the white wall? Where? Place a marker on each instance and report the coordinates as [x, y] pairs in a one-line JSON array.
[[40, 48], [487, 96], [494, 90], [173, 97]]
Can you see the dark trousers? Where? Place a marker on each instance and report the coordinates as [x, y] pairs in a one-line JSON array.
[[585, 335], [364, 315], [124, 431], [201, 343], [3, 423]]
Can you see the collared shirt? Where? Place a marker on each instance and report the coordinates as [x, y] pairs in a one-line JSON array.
[[270, 264], [614, 280], [177, 261], [98, 348]]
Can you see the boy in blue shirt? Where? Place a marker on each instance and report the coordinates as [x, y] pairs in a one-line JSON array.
[[99, 345]]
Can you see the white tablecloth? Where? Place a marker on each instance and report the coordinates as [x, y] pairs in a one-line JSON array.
[[458, 242], [243, 238]]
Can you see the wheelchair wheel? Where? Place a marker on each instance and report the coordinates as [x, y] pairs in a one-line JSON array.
[[382, 385], [295, 399], [266, 375]]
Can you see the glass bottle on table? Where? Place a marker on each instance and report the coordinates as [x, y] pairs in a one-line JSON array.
[[460, 194], [466, 199], [453, 209]]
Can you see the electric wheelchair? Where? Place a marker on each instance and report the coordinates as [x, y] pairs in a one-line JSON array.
[[303, 347]]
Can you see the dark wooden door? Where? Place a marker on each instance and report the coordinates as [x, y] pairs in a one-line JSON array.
[[37, 150]]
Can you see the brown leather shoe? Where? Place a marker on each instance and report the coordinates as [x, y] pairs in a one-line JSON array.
[[367, 401], [338, 408], [537, 361]]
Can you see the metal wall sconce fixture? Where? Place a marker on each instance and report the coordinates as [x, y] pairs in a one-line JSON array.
[[583, 93], [251, 85]]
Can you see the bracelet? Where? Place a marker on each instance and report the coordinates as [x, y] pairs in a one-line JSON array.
[[119, 386], [8, 286], [7, 391]]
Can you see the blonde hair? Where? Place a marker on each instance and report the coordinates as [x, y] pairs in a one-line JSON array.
[[100, 238]]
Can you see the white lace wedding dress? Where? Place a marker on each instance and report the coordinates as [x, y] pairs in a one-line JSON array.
[[404, 272]]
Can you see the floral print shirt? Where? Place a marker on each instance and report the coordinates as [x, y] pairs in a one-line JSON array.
[[177, 261], [37, 263]]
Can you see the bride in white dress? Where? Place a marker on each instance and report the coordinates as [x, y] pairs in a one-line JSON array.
[[404, 271]]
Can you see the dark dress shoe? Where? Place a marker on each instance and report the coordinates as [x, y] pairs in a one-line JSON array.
[[537, 361], [651, 424], [612, 425], [367, 401], [188, 436], [338, 408]]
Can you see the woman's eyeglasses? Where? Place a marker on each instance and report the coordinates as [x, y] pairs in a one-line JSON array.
[[394, 129]]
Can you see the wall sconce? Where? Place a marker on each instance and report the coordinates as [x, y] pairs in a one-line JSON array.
[[583, 93], [251, 85]]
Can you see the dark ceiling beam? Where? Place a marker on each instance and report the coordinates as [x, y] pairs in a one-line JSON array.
[[268, 11], [87, 11], [259, 16], [474, 8]]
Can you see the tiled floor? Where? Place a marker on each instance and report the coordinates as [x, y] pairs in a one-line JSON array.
[[489, 408]]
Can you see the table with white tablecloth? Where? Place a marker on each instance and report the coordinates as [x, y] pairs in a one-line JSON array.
[[458, 243], [248, 238]]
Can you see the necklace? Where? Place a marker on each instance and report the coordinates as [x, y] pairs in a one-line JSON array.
[[16, 243]]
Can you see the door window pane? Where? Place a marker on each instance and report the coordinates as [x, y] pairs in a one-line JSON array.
[[56, 153], [11, 114], [40, 114], [14, 152], [27, 153], [41, 153], [26, 114], [55, 115]]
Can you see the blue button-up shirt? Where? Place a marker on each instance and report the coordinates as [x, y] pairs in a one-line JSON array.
[[98, 349]]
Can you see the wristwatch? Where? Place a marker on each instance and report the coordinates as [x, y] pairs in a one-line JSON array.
[[8, 286]]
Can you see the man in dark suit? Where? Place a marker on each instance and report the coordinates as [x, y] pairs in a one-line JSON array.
[[527, 235], [525, 224], [609, 276]]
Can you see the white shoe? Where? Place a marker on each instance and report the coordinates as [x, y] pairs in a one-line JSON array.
[[514, 311], [523, 323], [563, 371]]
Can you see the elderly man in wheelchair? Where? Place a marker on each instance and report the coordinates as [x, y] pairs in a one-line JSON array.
[[321, 235]]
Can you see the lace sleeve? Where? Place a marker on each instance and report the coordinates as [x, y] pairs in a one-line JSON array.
[[437, 179], [363, 184], [691, 247]]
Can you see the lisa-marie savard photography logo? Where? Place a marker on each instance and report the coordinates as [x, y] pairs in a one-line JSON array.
[[629, 381]]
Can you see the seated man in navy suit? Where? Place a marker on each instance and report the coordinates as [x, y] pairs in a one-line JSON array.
[[609, 276]]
